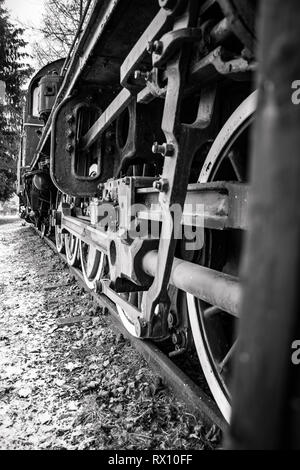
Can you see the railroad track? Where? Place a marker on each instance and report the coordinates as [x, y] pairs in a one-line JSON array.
[[184, 388]]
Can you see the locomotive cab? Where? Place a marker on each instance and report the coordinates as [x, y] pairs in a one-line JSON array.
[[46, 94], [40, 98]]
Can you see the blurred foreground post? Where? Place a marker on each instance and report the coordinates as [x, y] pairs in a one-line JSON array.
[[266, 396]]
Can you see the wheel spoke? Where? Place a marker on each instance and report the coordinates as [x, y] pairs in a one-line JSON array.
[[59, 237], [228, 357], [237, 164]]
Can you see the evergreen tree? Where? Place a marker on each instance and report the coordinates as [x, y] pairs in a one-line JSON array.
[[14, 73]]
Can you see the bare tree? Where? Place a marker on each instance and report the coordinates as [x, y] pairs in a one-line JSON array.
[[61, 20]]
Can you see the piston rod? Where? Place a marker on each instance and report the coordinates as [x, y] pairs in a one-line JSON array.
[[214, 287]]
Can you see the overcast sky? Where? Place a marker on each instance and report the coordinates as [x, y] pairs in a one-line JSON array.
[[27, 13]]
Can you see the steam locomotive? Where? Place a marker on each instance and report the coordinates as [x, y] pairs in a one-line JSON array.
[[135, 156]]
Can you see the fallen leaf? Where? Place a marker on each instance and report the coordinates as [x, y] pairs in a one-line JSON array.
[[72, 366], [45, 417], [72, 406], [7, 422], [24, 392], [13, 370], [59, 382]]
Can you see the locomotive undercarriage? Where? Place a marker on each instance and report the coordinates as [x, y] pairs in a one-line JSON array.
[[151, 183]]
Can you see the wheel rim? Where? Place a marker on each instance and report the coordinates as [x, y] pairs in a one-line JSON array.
[[92, 264], [59, 240], [213, 331], [59, 237], [43, 229], [71, 247]]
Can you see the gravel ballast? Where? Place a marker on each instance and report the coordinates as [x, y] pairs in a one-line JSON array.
[[68, 382]]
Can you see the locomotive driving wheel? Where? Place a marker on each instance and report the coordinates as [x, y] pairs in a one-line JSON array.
[[92, 264], [59, 237], [71, 246], [44, 228], [214, 330]]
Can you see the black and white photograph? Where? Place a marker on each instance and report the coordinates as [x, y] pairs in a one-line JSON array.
[[149, 228]]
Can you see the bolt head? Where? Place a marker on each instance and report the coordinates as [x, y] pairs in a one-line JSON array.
[[126, 180], [138, 74], [154, 46], [69, 118], [174, 338], [162, 185], [156, 185], [169, 150], [70, 134], [171, 319], [155, 147], [69, 148]]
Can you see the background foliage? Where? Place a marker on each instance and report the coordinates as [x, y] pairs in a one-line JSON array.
[[60, 23], [14, 72]]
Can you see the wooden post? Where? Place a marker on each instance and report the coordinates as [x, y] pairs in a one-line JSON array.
[[266, 397]]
